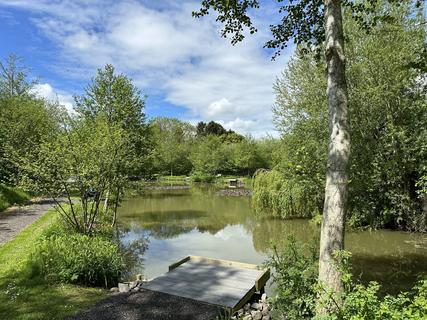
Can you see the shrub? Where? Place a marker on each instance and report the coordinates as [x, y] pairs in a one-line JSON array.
[[10, 196], [79, 259], [202, 177], [295, 275]]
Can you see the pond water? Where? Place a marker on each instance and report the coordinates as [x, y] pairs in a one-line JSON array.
[[197, 221]]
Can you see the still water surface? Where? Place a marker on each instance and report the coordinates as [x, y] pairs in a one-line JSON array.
[[177, 223]]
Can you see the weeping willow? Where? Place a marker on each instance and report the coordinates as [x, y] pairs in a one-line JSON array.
[[274, 195]]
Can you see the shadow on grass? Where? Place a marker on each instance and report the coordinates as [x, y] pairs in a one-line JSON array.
[[22, 298]]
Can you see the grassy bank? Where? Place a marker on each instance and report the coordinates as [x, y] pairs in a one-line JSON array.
[[10, 196], [25, 297]]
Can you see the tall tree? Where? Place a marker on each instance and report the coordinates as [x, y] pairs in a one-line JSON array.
[[14, 77], [312, 24]]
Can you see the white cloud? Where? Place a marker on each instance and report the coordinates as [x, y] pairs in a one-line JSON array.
[[166, 52], [45, 90]]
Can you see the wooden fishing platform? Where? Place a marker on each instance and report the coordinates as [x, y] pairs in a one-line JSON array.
[[227, 284]]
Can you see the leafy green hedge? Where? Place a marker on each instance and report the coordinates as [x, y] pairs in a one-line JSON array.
[[79, 259], [10, 196]]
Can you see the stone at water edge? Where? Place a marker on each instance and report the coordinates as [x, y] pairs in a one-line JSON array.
[[256, 315], [265, 311], [247, 307], [256, 306], [114, 289], [264, 297], [124, 287]]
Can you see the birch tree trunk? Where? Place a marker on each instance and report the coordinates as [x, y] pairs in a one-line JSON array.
[[336, 190]]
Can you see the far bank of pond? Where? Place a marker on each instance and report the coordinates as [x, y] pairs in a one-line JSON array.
[[197, 221]]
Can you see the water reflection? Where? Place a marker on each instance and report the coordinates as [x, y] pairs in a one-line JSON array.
[[196, 221]]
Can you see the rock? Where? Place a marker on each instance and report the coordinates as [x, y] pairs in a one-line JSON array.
[[240, 312], [264, 297], [256, 315], [133, 284], [256, 306], [247, 317], [247, 307], [265, 311], [266, 317], [114, 289], [124, 287], [136, 289]]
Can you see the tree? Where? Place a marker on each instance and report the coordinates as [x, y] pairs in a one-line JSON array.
[[172, 139], [94, 153], [14, 78], [115, 97], [118, 101], [388, 125], [318, 24], [25, 120]]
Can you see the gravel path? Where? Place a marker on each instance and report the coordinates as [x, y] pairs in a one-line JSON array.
[[13, 220], [148, 305]]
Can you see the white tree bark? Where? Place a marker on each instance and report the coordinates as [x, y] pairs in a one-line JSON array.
[[336, 190]]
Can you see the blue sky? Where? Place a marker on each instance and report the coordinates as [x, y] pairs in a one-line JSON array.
[[182, 64]]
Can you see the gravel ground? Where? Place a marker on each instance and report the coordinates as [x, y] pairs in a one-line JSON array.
[[13, 220], [148, 305]]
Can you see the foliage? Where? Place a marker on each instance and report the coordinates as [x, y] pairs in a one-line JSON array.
[[23, 296], [213, 154], [389, 121], [118, 101], [295, 274], [173, 140], [94, 152], [273, 194], [10, 196], [213, 128], [14, 78], [26, 121], [79, 259]]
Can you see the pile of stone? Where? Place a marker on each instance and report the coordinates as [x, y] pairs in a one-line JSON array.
[[260, 310], [235, 192], [131, 286]]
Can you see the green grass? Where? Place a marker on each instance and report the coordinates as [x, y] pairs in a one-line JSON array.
[[25, 297], [10, 196]]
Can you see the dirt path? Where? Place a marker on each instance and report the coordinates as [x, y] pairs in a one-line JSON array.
[[14, 220]]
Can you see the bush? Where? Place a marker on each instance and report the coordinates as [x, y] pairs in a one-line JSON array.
[[202, 177], [296, 277], [79, 259], [10, 196]]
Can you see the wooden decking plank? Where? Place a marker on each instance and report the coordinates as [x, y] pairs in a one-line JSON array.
[[224, 283], [227, 283], [197, 288], [218, 298], [220, 271], [212, 274]]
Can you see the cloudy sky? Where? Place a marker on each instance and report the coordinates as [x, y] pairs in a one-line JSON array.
[[182, 64]]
